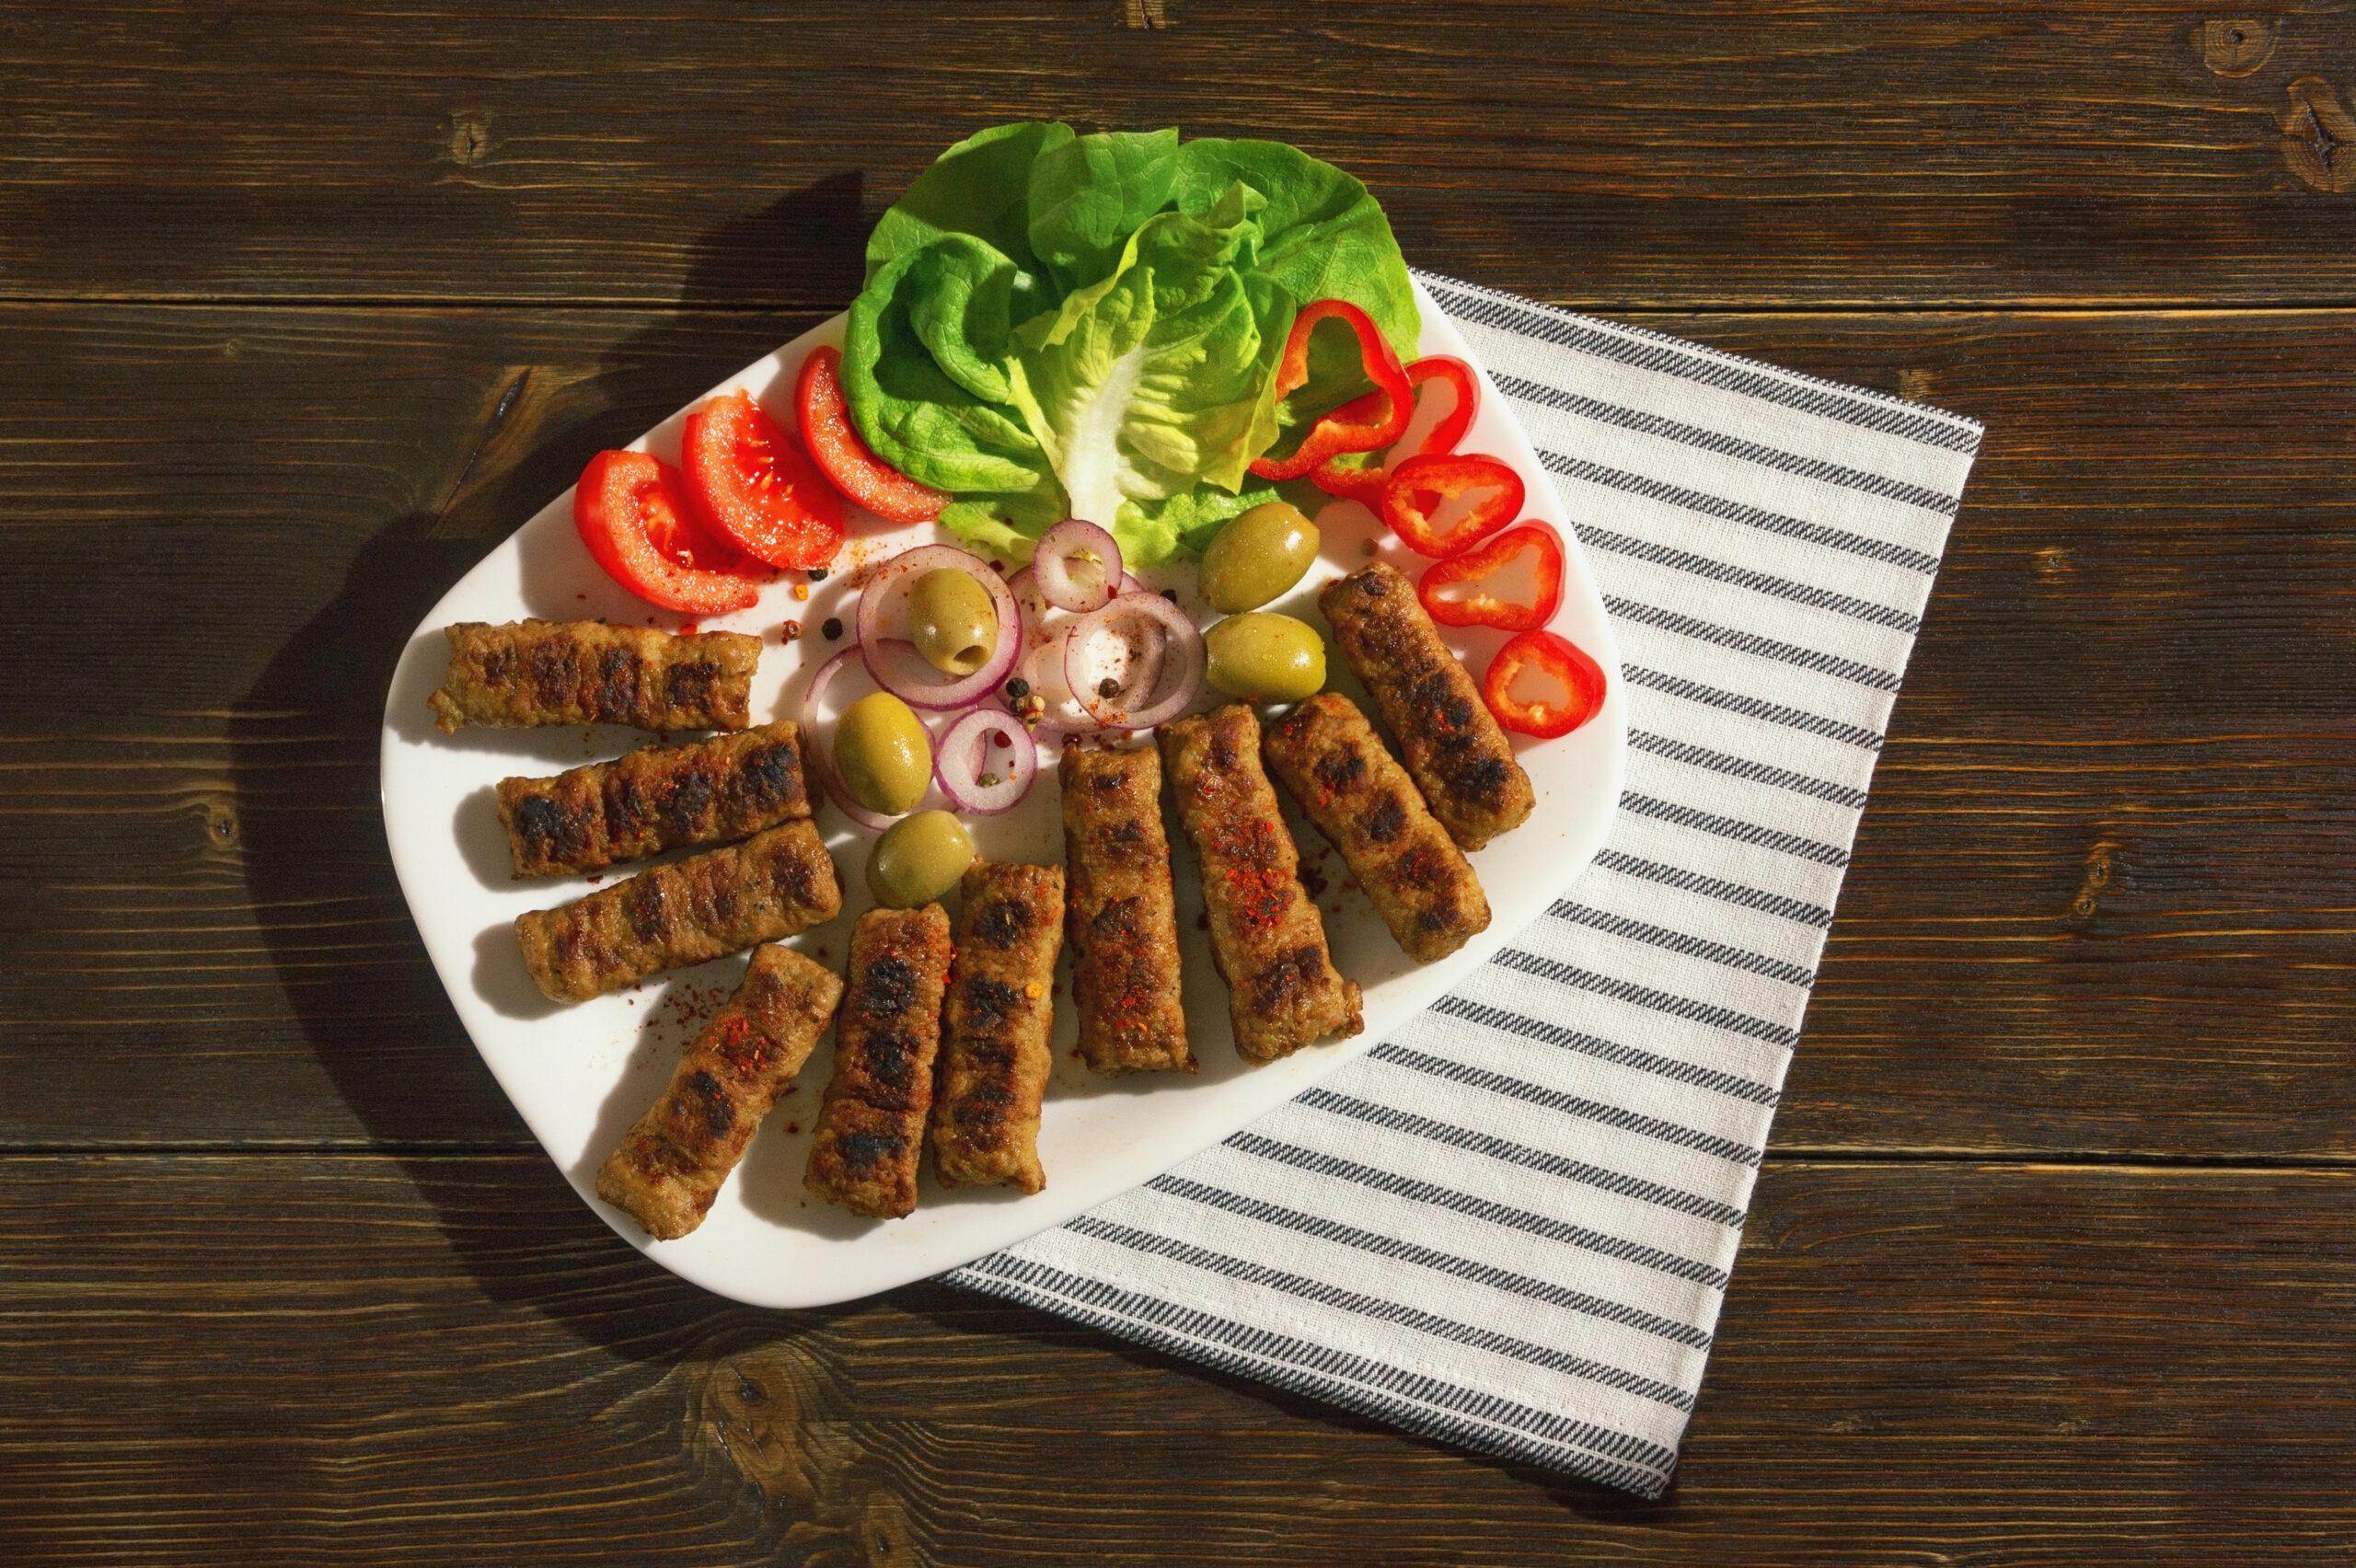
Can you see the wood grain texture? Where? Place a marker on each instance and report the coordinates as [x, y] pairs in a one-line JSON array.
[[2101, 902], [300, 1359], [1738, 154]]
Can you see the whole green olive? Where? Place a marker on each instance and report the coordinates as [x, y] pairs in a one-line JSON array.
[[1266, 658], [1258, 558], [883, 753], [917, 860], [951, 621]]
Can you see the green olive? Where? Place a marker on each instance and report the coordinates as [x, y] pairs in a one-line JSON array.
[[917, 860], [1258, 558], [953, 621], [1266, 658], [883, 753]]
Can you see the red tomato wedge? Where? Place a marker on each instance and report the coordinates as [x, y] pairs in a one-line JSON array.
[[633, 514], [756, 488], [1479, 587], [1524, 678], [1359, 476], [1423, 491], [836, 447]]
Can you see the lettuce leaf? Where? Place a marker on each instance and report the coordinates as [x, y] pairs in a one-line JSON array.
[[1055, 323]]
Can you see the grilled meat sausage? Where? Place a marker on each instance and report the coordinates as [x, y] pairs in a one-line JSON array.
[[672, 1163], [871, 1129], [703, 907], [1266, 938], [1122, 919], [657, 797], [1334, 763], [993, 1053], [539, 672], [1458, 756]]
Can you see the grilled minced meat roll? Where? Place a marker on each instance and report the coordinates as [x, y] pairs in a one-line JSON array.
[[1334, 763], [1458, 756], [1000, 1005], [671, 1165], [1266, 940], [1122, 914], [700, 908], [659, 797], [871, 1129], [540, 672]]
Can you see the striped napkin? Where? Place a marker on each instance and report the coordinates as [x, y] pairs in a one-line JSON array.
[[1511, 1225]]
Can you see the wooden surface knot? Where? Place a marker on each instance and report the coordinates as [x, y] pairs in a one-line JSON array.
[[2236, 47], [468, 142], [2098, 877], [768, 1418], [1914, 385], [1143, 13], [2318, 136]]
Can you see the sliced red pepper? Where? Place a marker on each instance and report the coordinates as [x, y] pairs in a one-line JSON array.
[[836, 447], [1361, 477], [1419, 488], [1534, 543], [1542, 658], [1347, 428]]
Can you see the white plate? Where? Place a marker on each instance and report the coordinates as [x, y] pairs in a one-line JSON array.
[[581, 1074]]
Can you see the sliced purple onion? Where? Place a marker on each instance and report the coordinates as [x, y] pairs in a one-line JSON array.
[[1076, 541], [972, 750], [1150, 652], [818, 745], [879, 605]]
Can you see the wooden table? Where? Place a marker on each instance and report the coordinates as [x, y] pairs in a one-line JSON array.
[[303, 306]]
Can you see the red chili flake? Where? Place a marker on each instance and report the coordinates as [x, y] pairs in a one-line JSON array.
[[582, 597], [791, 1128], [1203, 921], [596, 880], [691, 628], [1314, 881]]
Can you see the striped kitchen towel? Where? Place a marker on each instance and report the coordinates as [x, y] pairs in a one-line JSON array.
[[1510, 1226]]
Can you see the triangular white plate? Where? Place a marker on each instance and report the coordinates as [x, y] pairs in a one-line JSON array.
[[581, 1074]]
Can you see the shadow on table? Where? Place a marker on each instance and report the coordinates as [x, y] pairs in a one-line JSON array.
[[317, 865]]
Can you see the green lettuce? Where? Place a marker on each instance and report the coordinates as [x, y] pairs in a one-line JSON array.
[[1061, 325]]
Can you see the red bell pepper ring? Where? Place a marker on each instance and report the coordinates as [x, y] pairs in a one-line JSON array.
[[1422, 487], [1550, 658], [1347, 428], [1361, 477], [1533, 541]]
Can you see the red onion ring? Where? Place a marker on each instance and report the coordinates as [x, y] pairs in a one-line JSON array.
[[816, 748], [1152, 689], [969, 739], [1052, 558], [882, 597]]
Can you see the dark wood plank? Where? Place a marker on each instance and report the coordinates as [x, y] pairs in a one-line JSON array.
[[1736, 154], [350, 1359], [2100, 903]]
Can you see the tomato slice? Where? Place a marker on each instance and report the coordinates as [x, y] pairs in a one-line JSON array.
[[1480, 572], [756, 488], [1420, 490], [1541, 658], [835, 447], [633, 514]]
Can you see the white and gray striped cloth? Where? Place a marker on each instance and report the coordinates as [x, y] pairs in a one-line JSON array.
[[1510, 1226]]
